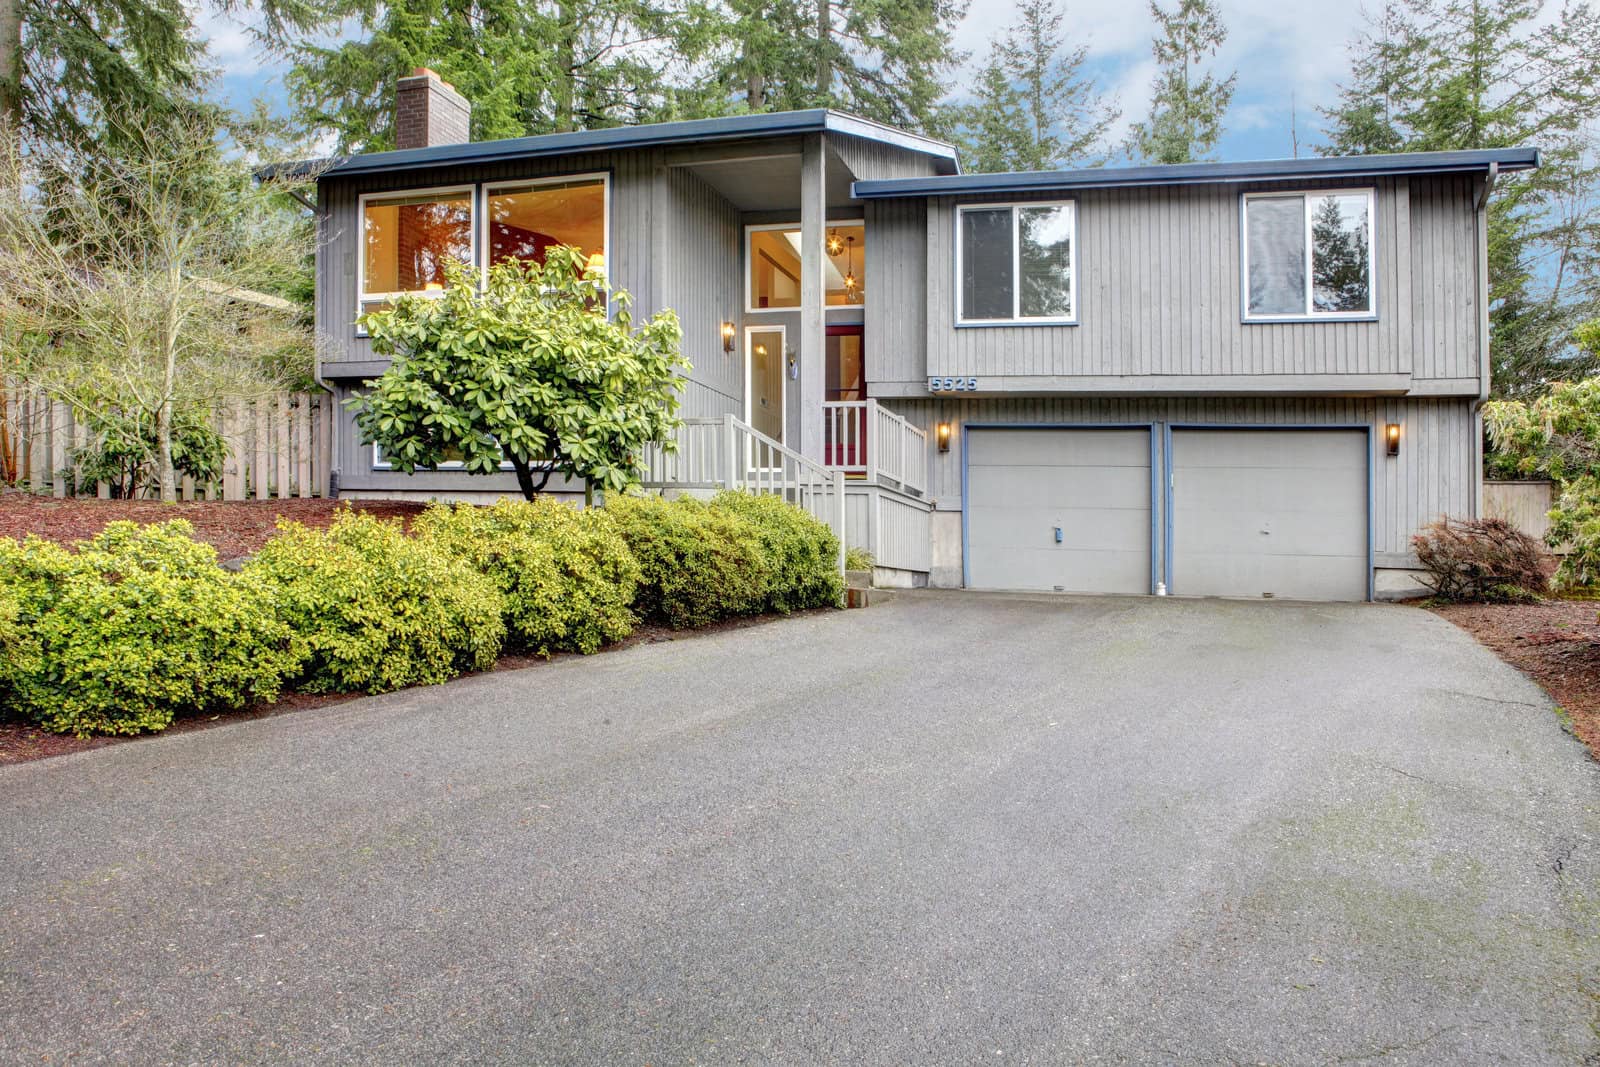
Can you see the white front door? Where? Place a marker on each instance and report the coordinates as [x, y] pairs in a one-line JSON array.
[[764, 365]]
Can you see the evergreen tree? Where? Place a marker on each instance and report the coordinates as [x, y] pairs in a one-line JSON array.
[[1034, 108], [1186, 113], [1434, 75], [528, 66], [888, 60]]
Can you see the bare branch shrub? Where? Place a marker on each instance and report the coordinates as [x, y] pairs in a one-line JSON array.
[[1481, 560]]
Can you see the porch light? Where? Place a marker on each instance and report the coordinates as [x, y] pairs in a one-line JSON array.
[[727, 337], [1391, 438], [942, 434]]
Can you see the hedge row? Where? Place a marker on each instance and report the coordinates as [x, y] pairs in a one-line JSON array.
[[141, 624]]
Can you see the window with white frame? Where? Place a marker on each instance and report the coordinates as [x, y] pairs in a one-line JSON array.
[[406, 240], [1308, 255], [1015, 263]]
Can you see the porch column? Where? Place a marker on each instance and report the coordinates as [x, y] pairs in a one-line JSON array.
[[813, 319]]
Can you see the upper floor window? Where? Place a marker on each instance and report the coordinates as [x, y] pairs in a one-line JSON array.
[[1308, 255], [1014, 263], [525, 219], [407, 238], [772, 258]]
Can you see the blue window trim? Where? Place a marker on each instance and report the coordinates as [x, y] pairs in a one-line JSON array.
[[1166, 465], [1151, 428]]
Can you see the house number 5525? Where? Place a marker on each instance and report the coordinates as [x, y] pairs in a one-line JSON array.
[[952, 385]]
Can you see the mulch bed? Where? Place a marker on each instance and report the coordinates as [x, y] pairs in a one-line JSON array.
[[1554, 642], [235, 528]]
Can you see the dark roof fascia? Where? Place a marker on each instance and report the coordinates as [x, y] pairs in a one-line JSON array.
[[693, 131], [1342, 167]]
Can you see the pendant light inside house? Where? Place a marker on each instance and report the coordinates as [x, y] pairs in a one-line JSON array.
[[835, 243], [850, 282]]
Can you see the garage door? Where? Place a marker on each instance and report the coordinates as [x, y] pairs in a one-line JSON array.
[[1091, 485], [1279, 513]]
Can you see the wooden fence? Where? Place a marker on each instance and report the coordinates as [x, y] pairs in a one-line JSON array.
[[1525, 505], [278, 447]]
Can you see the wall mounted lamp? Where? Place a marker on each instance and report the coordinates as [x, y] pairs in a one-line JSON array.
[[942, 434], [727, 337], [1391, 438]]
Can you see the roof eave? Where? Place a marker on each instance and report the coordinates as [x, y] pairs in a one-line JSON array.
[[696, 131], [1352, 167]]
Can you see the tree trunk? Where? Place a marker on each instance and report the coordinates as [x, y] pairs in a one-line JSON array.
[[164, 471], [11, 67], [524, 479], [566, 60], [824, 56], [756, 91]]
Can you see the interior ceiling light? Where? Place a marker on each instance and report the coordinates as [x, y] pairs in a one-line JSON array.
[[835, 244]]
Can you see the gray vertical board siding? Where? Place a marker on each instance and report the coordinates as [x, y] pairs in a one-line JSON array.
[[1445, 334], [896, 284], [1159, 294], [1435, 474], [866, 159], [700, 280]]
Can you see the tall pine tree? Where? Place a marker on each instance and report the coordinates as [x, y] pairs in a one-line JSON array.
[[1035, 108], [1186, 112], [1433, 75]]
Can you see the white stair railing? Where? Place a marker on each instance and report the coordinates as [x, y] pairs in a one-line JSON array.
[[896, 450], [728, 453]]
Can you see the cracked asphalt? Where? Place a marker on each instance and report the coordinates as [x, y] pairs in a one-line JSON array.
[[947, 829]]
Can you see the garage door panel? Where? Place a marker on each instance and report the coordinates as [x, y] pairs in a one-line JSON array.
[[1048, 448], [1274, 490], [1046, 487], [1094, 484], [1297, 450], [1283, 577], [1079, 572], [1082, 529], [1270, 512]]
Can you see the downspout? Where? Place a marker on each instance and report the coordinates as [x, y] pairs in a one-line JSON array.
[[1482, 218]]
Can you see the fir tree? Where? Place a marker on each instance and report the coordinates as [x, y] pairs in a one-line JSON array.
[[1189, 104]]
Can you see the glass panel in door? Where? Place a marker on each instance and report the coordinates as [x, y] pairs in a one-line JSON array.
[[763, 399], [844, 436]]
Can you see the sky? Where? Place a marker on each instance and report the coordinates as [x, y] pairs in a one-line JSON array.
[[1289, 56]]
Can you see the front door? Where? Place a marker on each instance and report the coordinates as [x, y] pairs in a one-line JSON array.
[[844, 438], [763, 380]]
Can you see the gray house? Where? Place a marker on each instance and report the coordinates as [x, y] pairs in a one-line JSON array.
[[1238, 379]]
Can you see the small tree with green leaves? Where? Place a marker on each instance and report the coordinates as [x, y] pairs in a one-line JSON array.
[[530, 370], [1557, 435]]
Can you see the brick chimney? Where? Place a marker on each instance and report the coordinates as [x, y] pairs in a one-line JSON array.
[[428, 111]]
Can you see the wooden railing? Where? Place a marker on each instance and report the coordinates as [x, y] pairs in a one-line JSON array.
[[728, 453], [860, 437], [278, 447]]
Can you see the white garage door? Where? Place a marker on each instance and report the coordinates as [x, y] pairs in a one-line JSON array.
[[1062, 510], [1279, 513]]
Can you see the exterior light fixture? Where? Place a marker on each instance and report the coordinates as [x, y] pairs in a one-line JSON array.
[[727, 337], [1391, 438], [942, 434]]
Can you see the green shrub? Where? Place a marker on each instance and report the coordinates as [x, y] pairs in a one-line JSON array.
[[697, 563], [375, 610], [137, 626], [18, 652], [857, 559], [801, 554], [566, 577]]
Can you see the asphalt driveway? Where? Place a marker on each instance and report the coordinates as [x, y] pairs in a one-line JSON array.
[[949, 829]]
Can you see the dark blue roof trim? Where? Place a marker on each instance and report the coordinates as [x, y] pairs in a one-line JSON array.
[[693, 131], [1202, 173]]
